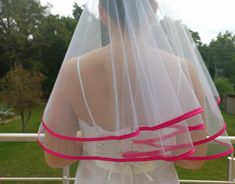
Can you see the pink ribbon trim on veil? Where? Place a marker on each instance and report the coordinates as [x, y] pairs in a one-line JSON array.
[[184, 156], [148, 155], [132, 134]]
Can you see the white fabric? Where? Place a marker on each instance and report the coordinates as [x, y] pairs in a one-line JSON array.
[[89, 173], [83, 93], [134, 79], [103, 172]]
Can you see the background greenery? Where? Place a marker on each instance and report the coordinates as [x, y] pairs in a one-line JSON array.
[[26, 159], [36, 40]]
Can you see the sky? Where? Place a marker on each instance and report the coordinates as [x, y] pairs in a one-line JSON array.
[[208, 17]]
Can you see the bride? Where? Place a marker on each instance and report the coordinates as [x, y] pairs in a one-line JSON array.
[[132, 98]]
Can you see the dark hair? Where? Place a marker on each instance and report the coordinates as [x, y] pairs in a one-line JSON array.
[[116, 10]]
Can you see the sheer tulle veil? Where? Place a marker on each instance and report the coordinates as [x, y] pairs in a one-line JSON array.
[[160, 102]]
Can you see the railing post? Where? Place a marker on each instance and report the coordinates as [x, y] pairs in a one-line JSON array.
[[27, 137], [1, 6], [231, 169], [66, 174]]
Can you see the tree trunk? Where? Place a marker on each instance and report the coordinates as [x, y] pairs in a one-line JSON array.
[[22, 121], [28, 116]]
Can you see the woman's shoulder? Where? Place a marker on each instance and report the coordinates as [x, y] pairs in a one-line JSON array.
[[89, 63], [188, 66], [93, 57], [172, 58]]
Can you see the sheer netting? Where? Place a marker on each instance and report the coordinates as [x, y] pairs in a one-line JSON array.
[[133, 87]]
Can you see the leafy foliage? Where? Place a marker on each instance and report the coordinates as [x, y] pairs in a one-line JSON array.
[[219, 55], [223, 85], [196, 37], [49, 46], [222, 55], [5, 112], [22, 91], [77, 11], [18, 22], [35, 39]]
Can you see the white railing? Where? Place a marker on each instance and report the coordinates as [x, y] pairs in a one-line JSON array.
[[27, 137]]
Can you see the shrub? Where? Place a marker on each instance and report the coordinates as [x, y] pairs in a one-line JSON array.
[[5, 112], [22, 90], [223, 85]]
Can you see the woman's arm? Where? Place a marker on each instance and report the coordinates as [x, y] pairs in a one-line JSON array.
[[58, 162], [60, 117], [201, 150]]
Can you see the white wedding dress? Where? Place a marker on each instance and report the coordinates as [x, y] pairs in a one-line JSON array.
[[146, 95], [104, 172]]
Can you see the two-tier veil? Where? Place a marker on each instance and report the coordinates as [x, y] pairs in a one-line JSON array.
[[133, 87]]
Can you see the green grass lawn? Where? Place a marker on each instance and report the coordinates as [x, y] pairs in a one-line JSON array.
[[214, 169], [26, 159]]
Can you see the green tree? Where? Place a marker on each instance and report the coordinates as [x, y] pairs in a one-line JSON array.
[[77, 11], [21, 90], [50, 44], [18, 22], [196, 37], [223, 85], [203, 48], [222, 55]]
